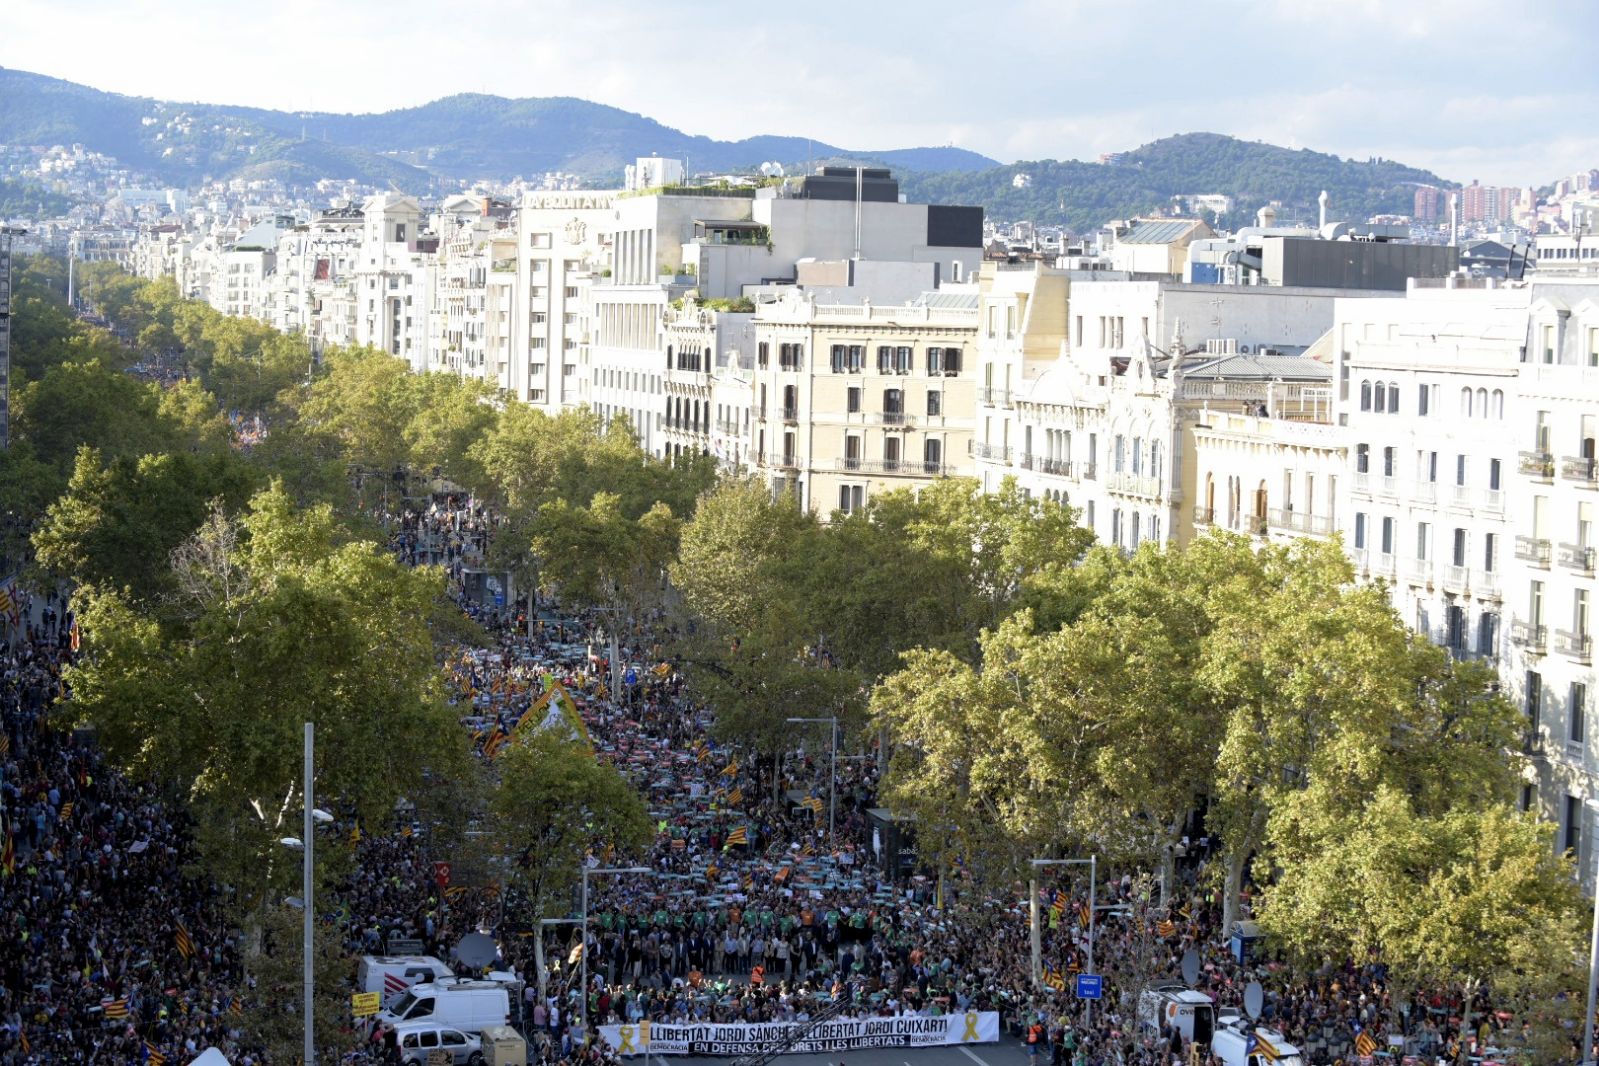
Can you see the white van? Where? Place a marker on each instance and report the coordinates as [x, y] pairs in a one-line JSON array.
[[1233, 1047], [389, 975], [415, 1040], [1176, 1006], [469, 1006]]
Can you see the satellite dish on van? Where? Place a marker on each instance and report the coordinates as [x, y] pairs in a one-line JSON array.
[[1254, 1000], [476, 950], [1190, 967]]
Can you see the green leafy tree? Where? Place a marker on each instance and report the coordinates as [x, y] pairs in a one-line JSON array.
[[117, 525], [555, 804], [1457, 900], [277, 623]]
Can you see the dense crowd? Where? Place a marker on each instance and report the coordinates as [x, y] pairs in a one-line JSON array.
[[112, 952]]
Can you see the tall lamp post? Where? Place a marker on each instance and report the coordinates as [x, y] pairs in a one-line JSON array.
[[1092, 862], [306, 845], [832, 787], [583, 956]]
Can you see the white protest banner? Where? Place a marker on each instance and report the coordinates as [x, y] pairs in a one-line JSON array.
[[839, 1034]]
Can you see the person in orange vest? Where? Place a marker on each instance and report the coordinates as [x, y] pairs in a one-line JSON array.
[[1035, 1040], [758, 976]]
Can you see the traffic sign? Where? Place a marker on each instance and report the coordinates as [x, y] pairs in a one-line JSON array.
[[1090, 986], [365, 1004]]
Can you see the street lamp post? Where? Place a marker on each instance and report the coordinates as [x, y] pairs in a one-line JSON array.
[[832, 787], [583, 956], [1092, 862], [309, 917]]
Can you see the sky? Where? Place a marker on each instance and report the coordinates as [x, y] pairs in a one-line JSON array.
[[1498, 90]]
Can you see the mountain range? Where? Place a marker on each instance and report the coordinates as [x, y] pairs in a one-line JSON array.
[[468, 137]]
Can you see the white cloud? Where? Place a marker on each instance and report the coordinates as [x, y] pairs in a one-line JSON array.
[[1466, 87]]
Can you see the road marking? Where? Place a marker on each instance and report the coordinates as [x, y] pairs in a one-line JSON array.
[[973, 1056]]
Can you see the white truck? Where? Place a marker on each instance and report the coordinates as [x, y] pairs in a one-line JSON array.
[[1239, 1045], [470, 1006], [389, 975], [1176, 1006]]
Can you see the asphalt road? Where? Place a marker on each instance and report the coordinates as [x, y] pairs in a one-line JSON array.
[[1008, 1052]]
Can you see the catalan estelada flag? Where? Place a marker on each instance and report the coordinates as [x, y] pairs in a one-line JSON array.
[[115, 1008], [1084, 915], [741, 835], [153, 1056], [184, 942], [1365, 1045], [814, 803], [1058, 906]]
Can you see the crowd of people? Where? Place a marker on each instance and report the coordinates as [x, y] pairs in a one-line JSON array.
[[111, 950]]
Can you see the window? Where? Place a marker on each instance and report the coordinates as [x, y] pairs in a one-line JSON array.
[[1571, 840], [893, 402], [852, 451], [1077, 333], [1387, 536], [1465, 402], [857, 359], [1533, 699], [838, 359], [1421, 401], [1363, 458], [1490, 552], [891, 451], [1535, 603], [902, 360], [1488, 634], [1393, 397], [763, 354], [935, 361], [1577, 713], [1455, 628], [885, 359], [1423, 539], [952, 361], [850, 498], [1460, 470], [933, 453], [1493, 474], [1390, 458], [1458, 548], [1360, 529], [1548, 344], [1379, 397], [1365, 395], [853, 399], [935, 402]]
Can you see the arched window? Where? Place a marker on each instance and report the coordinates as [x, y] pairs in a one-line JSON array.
[[1380, 402], [1499, 403], [1482, 403], [1365, 395], [1154, 459], [1465, 402], [1393, 397]]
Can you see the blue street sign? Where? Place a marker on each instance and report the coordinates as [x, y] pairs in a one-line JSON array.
[[1090, 986]]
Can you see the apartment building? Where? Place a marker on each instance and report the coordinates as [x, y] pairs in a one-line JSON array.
[[564, 243], [851, 400], [1470, 411], [395, 279], [313, 292], [1106, 425], [708, 362]]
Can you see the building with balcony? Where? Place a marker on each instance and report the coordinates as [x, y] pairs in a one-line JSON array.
[[1105, 424], [1471, 410], [850, 400]]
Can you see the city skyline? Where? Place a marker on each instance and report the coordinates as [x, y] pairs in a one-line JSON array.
[[1430, 88]]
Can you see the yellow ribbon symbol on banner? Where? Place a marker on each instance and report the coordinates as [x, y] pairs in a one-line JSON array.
[[626, 1033], [971, 1027]]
